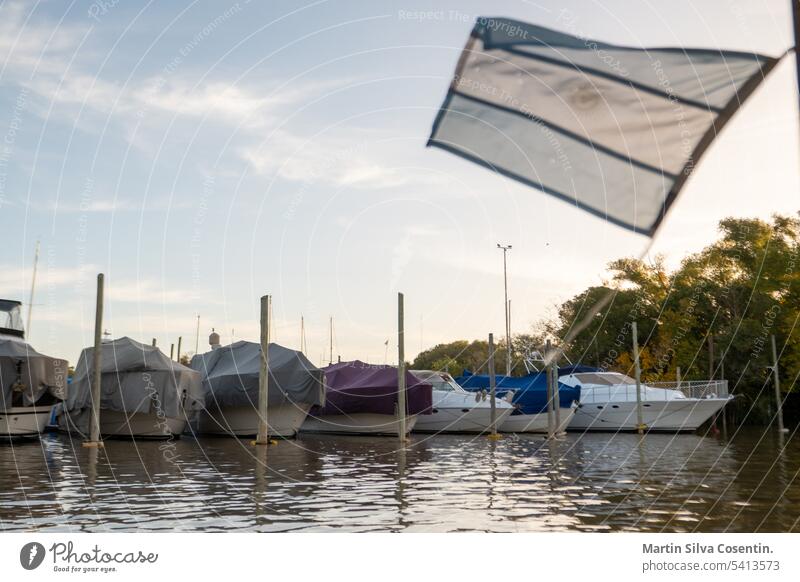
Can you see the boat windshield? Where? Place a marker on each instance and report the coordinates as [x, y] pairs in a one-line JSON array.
[[441, 381], [605, 378], [10, 315]]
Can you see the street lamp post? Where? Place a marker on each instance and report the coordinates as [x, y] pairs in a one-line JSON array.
[[505, 249]]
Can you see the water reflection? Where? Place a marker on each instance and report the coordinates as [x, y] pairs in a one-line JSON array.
[[598, 482]]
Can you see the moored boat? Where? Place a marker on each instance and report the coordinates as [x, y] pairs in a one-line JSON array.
[[455, 410], [144, 394], [609, 403], [529, 397], [230, 380], [31, 383], [363, 398]]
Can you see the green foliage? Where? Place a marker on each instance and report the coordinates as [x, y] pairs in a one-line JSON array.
[[460, 355]]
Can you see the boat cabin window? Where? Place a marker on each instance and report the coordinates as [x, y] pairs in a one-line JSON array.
[[10, 315], [605, 378]]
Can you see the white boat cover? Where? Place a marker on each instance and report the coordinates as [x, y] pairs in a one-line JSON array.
[[136, 378], [230, 376], [26, 375]]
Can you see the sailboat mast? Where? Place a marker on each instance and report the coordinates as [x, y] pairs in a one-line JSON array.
[[330, 360], [33, 287], [197, 337]]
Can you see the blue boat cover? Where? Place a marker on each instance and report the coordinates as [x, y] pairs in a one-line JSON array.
[[530, 392]]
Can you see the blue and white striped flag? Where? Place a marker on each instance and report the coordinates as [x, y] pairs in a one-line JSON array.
[[613, 130]]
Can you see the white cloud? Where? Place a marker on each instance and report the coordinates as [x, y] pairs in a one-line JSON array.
[[350, 157], [150, 292], [108, 205], [15, 281]]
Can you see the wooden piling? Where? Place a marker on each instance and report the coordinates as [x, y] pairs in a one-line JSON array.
[[97, 363], [180, 339], [492, 389], [638, 375], [551, 428], [556, 394], [724, 411], [777, 382], [263, 374], [401, 371], [711, 367]]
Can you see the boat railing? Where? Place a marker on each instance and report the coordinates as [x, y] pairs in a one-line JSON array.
[[696, 388], [689, 388]]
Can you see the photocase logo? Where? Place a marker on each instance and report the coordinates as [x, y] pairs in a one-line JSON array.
[[31, 555]]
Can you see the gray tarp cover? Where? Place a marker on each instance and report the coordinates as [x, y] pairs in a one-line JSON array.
[[38, 373], [230, 376], [136, 377]]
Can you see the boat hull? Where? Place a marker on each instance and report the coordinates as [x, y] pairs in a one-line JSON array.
[[677, 415], [473, 420], [24, 421], [360, 424], [117, 424], [537, 423], [283, 421]]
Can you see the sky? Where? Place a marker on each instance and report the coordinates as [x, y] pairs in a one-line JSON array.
[[202, 154]]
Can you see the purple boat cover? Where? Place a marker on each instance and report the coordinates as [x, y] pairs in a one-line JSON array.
[[354, 387]]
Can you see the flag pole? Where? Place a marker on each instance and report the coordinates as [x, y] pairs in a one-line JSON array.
[[796, 18]]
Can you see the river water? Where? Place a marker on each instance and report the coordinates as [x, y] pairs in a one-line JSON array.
[[591, 482]]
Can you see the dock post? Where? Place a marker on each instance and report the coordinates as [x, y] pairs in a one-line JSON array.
[[724, 411], [556, 394], [154, 342], [492, 389], [171, 351], [180, 339], [262, 438], [711, 357], [401, 371], [638, 375], [778, 401], [97, 362], [551, 429]]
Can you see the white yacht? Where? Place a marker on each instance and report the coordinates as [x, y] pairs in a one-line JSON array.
[[455, 409], [608, 402], [30, 382]]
